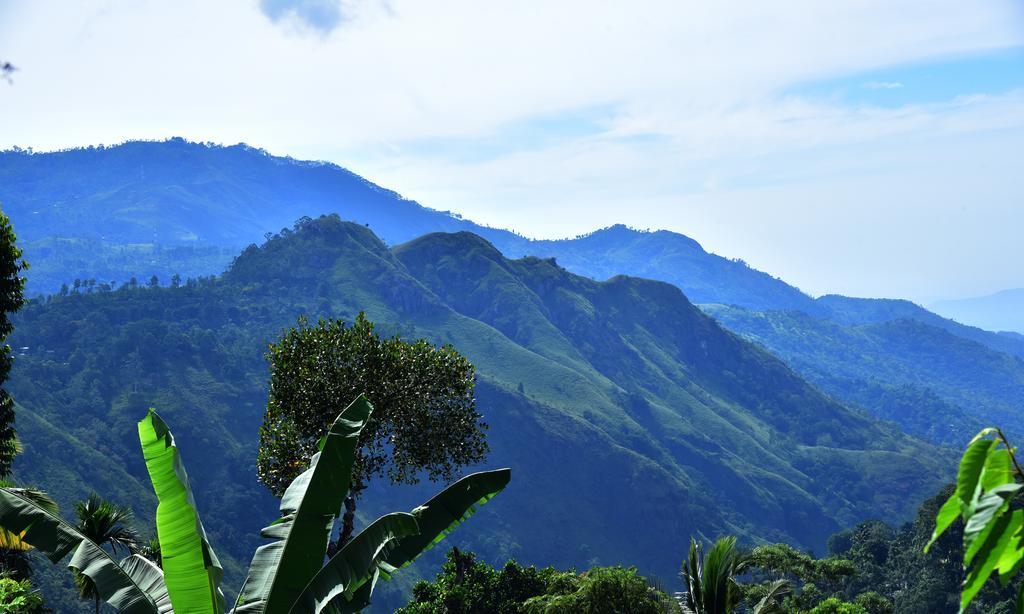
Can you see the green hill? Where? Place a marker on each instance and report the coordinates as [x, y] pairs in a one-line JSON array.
[[935, 383], [631, 419]]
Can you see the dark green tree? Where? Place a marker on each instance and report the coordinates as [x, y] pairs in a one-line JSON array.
[[12, 297], [468, 586], [106, 524], [425, 421]]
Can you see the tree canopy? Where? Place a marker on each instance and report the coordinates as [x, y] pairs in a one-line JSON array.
[[425, 420]]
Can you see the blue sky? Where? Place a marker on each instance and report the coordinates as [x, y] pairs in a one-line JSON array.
[[870, 148]]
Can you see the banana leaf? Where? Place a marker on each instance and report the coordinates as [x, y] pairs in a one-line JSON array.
[[440, 515], [56, 539], [15, 541], [355, 564], [191, 569], [359, 601], [280, 570], [149, 578]]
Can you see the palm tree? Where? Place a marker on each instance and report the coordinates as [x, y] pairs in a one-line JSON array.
[[711, 586], [106, 524]]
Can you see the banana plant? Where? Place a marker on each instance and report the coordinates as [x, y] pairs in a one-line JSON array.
[[287, 575]]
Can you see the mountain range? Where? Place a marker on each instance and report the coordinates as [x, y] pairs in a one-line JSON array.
[[144, 209], [631, 419], [642, 389]]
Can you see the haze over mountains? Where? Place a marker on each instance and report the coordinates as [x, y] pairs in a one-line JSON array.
[[1000, 311], [625, 374]]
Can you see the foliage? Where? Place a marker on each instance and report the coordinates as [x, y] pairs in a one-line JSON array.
[[12, 286], [603, 590], [425, 418], [993, 535], [466, 585], [710, 578], [892, 563], [812, 582], [104, 523], [286, 575], [18, 597]]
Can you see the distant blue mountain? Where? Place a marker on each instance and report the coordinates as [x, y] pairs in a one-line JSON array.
[[125, 206], [1002, 311]]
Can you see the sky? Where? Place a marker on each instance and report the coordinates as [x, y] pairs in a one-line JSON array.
[[869, 148]]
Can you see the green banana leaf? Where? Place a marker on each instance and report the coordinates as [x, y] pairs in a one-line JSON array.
[[191, 569], [280, 570], [440, 515], [56, 539], [150, 578], [355, 564], [360, 599]]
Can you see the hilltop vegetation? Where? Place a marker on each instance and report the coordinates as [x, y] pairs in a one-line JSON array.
[[619, 401]]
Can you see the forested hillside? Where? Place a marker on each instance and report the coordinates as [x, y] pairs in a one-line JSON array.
[[618, 404], [933, 382]]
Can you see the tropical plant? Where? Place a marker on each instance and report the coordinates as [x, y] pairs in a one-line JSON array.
[[18, 597], [106, 524], [987, 484], [425, 420], [286, 575], [711, 586]]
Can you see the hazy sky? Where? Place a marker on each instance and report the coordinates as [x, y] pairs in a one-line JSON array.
[[871, 148]]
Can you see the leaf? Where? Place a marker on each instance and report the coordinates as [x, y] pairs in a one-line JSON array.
[[359, 601], [1013, 554], [971, 466], [56, 539], [983, 515], [191, 569], [440, 515], [996, 471], [280, 570], [355, 564], [947, 515], [987, 557], [150, 578]]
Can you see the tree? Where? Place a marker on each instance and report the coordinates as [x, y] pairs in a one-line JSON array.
[[6, 70], [468, 586], [425, 422], [12, 297], [105, 524], [154, 282], [286, 575]]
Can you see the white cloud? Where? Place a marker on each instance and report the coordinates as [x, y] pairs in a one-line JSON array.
[[883, 85], [693, 94]]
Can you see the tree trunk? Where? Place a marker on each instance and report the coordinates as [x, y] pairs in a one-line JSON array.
[[348, 520]]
